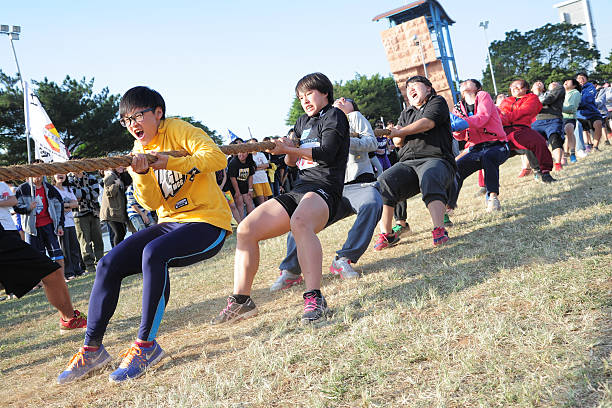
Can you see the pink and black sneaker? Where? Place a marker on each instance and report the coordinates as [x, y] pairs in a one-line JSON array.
[[440, 236]]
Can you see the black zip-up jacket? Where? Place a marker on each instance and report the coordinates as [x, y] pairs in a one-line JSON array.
[[327, 133], [552, 104]]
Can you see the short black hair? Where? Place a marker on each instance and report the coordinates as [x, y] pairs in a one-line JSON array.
[[575, 83], [423, 80], [583, 74], [352, 101], [317, 81], [475, 82], [524, 84], [141, 97]]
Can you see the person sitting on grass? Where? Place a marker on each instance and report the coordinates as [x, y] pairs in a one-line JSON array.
[[570, 106], [426, 161], [587, 113], [323, 134], [194, 220], [359, 196], [549, 122], [486, 144], [517, 113]]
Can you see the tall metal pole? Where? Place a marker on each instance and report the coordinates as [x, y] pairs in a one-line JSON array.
[[418, 42], [484, 25], [24, 95]]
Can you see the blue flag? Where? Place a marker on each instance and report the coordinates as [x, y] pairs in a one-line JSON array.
[[232, 135]]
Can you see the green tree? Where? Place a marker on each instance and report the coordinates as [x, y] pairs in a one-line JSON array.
[[212, 133], [376, 97], [12, 125], [603, 72], [86, 121], [549, 53]]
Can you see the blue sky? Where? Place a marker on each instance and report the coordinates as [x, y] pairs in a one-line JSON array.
[[234, 64]]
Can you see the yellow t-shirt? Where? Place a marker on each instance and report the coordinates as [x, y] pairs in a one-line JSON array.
[[187, 190]]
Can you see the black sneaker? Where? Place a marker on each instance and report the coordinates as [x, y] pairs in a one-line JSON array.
[[315, 308], [547, 178], [234, 312]]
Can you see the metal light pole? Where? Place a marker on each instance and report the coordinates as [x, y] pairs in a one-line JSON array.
[[13, 34], [484, 25], [418, 43]]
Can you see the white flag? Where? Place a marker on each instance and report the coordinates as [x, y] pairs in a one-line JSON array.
[[49, 145]]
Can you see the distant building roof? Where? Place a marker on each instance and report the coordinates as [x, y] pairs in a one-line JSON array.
[[412, 11]]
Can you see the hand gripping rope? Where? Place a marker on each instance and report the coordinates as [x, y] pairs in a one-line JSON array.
[[21, 172]]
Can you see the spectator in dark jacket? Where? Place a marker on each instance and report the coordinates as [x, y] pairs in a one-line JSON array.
[[42, 216], [87, 218]]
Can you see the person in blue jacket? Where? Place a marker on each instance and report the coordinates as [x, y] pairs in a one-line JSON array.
[[587, 112]]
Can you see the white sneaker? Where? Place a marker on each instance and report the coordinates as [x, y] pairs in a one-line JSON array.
[[581, 154], [285, 281], [493, 204], [342, 266]]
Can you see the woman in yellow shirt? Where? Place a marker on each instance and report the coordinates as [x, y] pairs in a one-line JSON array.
[[194, 219]]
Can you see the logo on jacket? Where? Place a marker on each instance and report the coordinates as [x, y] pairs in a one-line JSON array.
[[181, 203], [170, 182]]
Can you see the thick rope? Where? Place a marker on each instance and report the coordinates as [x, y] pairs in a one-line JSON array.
[[21, 172]]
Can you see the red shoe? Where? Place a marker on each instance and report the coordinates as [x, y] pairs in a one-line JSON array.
[[525, 172], [558, 167], [440, 236], [385, 241], [78, 321]]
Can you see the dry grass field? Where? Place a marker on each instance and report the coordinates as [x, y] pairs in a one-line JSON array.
[[515, 311]]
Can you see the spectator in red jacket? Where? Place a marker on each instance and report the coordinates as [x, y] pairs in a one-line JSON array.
[[517, 113]]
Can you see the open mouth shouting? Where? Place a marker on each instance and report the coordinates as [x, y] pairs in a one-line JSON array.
[[139, 134]]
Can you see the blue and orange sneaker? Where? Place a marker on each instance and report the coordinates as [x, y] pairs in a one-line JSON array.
[[136, 360], [82, 363], [440, 236]]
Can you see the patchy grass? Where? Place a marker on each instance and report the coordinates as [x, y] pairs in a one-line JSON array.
[[514, 311]]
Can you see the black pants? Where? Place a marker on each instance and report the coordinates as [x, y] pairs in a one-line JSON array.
[[119, 231]]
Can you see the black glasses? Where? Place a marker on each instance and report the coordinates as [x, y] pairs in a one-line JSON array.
[[137, 117]]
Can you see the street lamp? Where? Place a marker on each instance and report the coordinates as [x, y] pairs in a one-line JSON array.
[[417, 42], [13, 34], [484, 25]]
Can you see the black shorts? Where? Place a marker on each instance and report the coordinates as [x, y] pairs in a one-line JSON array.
[[568, 120], [587, 124], [290, 200], [21, 266]]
